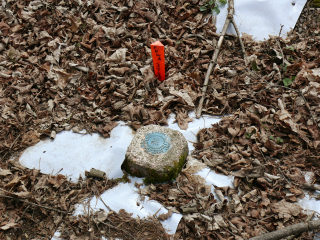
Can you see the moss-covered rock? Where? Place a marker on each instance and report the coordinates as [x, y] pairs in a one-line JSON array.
[[315, 3], [156, 153]]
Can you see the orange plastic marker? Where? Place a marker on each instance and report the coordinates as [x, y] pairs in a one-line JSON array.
[[157, 50]]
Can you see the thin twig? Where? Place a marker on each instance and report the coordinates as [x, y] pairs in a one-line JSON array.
[[35, 204], [311, 187], [213, 61], [119, 229], [105, 204], [15, 140], [308, 106], [279, 45], [239, 37]]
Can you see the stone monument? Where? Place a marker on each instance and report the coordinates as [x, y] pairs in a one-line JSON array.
[[156, 153]]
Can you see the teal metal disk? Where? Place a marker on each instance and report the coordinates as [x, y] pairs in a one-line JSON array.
[[156, 143]]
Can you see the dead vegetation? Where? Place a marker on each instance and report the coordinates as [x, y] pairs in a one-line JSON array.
[[86, 64]]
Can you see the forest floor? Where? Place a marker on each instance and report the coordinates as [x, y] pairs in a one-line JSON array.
[[77, 65]]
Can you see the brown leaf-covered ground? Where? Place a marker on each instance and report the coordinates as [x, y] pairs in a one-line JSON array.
[[76, 65]]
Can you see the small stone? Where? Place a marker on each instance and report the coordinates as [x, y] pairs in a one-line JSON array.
[[156, 153]]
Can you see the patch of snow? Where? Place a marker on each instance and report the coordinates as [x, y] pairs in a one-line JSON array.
[[310, 204], [72, 154], [263, 17], [213, 178], [190, 134], [56, 236], [125, 196]]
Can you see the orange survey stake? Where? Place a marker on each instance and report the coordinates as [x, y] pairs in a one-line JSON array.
[[157, 50]]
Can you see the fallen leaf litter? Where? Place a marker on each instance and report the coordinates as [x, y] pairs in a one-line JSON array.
[[86, 65]]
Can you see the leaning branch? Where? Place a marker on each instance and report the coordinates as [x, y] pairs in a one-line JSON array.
[[213, 61], [239, 37], [288, 231]]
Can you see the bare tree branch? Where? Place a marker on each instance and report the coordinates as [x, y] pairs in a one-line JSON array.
[[288, 231], [213, 61]]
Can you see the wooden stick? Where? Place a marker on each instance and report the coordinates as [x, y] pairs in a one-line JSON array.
[[311, 187], [288, 231], [239, 37], [35, 204], [213, 61]]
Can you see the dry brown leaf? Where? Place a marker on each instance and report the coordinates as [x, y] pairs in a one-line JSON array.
[[183, 119], [119, 70], [286, 210], [233, 131], [118, 56], [165, 216], [22, 194], [15, 181], [183, 95], [30, 138], [5, 172], [9, 225]]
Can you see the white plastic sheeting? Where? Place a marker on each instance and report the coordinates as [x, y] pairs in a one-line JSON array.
[[261, 18]]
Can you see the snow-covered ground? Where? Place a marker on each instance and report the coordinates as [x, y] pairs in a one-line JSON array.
[[261, 18], [309, 203], [72, 154], [133, 203]]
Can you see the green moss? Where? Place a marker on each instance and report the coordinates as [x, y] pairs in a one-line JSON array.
[[315, 3], [126, 168], [170, 173], [123, 179]]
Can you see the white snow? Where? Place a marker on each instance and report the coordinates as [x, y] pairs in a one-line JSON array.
[[261, 18], [72, 153], [310, 204], [125, 196], [213, 178], [193, 128], [56, 236]]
